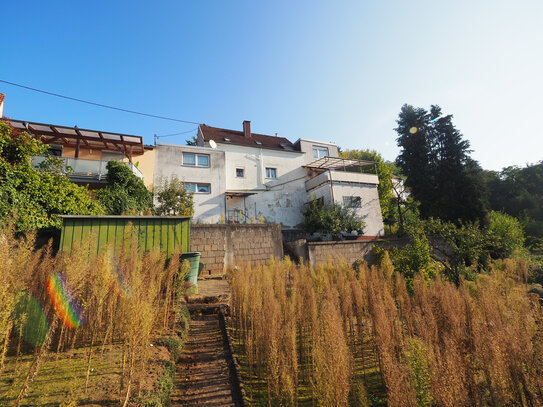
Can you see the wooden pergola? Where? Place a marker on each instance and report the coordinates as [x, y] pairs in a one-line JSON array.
[[129, 145]]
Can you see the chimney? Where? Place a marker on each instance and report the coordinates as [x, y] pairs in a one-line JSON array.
[[247, 128], [2, 96]]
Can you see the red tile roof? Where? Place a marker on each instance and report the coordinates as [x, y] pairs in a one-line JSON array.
[[236, 137]]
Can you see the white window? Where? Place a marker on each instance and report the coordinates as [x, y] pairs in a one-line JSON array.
[[319, 152], [196, 160], [240, 172], [197, 188], [271, 172], [352, 201]]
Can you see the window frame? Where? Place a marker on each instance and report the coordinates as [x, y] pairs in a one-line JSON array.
[[242, 169], [318, 150], [196, 160], [274, 172], [197, 185]]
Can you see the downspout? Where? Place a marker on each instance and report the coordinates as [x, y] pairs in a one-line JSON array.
[[331, 185], [262, 169]]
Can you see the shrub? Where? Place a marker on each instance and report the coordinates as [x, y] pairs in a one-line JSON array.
[[173, 199], [415, 257], [505, 234], [333, 218], [125, 193], [174, 345]]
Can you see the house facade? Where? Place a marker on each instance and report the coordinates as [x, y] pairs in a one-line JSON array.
[[255, 175], [236, 176]]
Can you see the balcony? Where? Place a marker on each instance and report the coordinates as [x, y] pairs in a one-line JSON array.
[[82, 170], [341, 177]]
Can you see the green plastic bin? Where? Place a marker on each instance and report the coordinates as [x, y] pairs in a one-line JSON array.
[[194, 260]]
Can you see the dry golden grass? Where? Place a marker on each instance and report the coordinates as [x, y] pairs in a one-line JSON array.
[[123, 298], [311, 336]]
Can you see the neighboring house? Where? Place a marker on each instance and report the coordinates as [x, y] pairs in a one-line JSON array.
[[87, 152], [202, 171], [399, 189]]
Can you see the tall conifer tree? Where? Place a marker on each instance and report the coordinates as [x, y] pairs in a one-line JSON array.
[[440, 173]]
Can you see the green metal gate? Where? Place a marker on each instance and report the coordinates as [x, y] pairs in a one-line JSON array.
[[169, 233]]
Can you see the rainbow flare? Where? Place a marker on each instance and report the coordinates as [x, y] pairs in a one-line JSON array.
[[65, 308]]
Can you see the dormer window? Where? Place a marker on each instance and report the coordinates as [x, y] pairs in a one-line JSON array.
[[319, 152]]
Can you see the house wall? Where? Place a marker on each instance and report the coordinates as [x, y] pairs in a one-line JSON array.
[[88, 154], [254, 161], [306, 146], [334, 185], [370, 209], [207, 207], [283, 201], [146, 164], [279, 200], [224, 247]]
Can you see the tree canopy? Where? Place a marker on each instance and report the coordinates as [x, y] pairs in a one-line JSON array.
[[34, 199], [435, 159]]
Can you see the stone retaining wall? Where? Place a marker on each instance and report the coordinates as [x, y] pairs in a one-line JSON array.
[[348, 250], [229, 245]]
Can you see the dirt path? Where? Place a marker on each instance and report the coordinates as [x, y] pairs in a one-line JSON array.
[[203, 374]]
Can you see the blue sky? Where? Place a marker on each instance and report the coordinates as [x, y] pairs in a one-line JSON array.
[[327, 70]]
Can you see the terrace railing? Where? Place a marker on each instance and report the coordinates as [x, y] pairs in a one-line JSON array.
[[80, 168]]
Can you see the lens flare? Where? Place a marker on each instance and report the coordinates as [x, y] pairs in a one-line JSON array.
[[65, 308], [413, 130], [30, 319], [122, 285]]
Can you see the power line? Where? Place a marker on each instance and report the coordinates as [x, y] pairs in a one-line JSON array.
[[97, 104], [176, 134]]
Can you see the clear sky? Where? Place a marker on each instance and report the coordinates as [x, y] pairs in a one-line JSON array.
[[327, 70]]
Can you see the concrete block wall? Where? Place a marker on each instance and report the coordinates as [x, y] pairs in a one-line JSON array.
[[349, 250], [226, 246]]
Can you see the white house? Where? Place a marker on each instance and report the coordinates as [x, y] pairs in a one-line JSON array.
[[271, 177]]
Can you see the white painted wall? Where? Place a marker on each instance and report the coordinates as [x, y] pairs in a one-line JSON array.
[[254, 162], [207, 207], [306, 146], [337, 184]]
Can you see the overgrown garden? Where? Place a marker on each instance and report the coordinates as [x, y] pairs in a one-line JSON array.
[[100, 314], [364, 337]]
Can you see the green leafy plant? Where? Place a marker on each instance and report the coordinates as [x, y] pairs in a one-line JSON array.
[[125, 193], [505, 234], [333, 218], [173, 199], [34, 199]]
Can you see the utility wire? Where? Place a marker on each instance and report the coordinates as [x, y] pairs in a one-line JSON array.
[[176, 134], [97, 104]]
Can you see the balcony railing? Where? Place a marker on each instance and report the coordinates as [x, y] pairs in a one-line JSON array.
[[80, 168]]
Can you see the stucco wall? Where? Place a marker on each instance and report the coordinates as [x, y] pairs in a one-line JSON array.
[[254, 162], [88, 154], [337, 184], [306, 146], [370, 209], [226, 246], [146, 164], [168, 163]]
